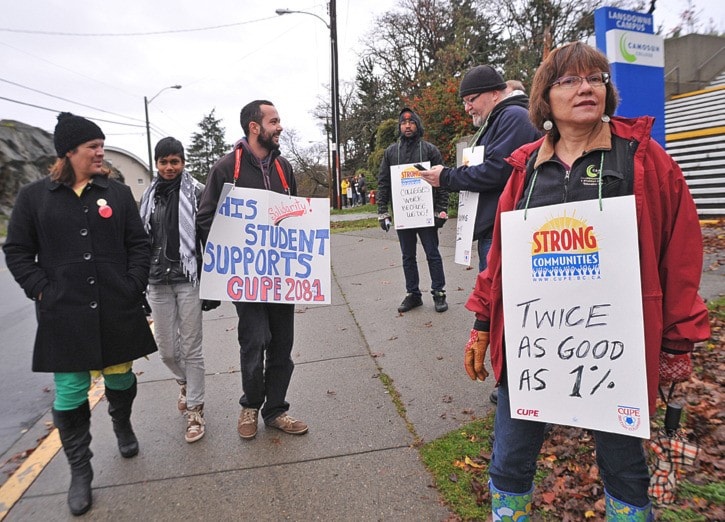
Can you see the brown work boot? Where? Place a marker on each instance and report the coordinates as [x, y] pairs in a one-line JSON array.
[[194, 423], [247, 424], [287, 424]]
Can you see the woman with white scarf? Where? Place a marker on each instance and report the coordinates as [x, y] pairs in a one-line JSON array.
[[168, 210]]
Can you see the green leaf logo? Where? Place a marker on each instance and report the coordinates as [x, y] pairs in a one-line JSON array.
[[623, 49]]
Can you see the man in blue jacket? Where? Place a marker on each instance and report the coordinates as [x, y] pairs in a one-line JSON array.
[[502, 118]]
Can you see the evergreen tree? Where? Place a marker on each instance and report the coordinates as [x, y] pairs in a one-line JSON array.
[[207, 146]]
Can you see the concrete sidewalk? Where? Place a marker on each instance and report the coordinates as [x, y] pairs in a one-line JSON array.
[[358, 461]]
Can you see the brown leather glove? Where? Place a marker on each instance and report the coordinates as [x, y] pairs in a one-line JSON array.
[[474, 355]]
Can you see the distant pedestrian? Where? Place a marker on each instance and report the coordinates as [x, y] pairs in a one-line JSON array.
[[77, 247], [412, 148], [168, 210], [344, 188], [355, 191], [350, 192], [362, 188]]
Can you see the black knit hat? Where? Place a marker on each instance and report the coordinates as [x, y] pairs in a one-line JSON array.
[[482, 78], [72, 130]]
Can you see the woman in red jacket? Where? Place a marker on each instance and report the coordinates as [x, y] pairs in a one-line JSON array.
[[572, 99]]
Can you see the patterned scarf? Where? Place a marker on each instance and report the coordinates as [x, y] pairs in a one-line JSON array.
[[187, 219]]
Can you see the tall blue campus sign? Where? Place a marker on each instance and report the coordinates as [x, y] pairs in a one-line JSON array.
[[637, 56]]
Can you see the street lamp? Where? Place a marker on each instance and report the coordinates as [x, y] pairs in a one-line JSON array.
[[146, 103], [335, 92]]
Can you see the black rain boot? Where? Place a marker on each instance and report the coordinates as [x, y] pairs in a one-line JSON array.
[[74, 428], [119, 408]]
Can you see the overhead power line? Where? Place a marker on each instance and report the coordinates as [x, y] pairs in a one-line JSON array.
[[149, 33], [69, 101], [58, 110]]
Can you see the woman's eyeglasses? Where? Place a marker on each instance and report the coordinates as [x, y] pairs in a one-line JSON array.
[[572, 82]]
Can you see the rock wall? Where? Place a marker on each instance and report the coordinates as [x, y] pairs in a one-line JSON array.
[[26, 154]]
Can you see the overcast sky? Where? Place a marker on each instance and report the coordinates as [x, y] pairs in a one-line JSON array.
[[251, 53], [285, 59]]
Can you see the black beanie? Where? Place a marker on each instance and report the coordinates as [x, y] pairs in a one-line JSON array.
[[482, 78], [72, 130]]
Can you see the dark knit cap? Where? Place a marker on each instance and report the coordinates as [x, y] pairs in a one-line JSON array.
[[72, 130], [482, 78]]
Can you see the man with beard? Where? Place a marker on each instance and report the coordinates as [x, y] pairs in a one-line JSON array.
[[265, 330], [502, 117], [411, 148]]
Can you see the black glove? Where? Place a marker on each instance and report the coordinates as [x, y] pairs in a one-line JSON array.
[[207, 304], [384, 220], [440, 219]]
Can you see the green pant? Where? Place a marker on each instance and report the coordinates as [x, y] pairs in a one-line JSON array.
[[71, 389]]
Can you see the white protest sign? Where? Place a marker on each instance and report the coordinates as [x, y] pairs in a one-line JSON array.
[[573, 316], [267, 247], [467, 208], [412, 197]]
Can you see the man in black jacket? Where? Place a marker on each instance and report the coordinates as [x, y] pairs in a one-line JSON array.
[[265, 330], [411, 148]]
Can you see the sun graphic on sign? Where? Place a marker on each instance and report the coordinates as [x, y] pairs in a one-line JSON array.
[[564, 234]]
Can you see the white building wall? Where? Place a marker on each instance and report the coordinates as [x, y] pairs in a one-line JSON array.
[[134, 170]]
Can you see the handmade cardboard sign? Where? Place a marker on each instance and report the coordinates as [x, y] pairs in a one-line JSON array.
[[573, 316], [412, 197], [267, 247], [467, 208]]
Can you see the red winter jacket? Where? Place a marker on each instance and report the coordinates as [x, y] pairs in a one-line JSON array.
[[670, 245]]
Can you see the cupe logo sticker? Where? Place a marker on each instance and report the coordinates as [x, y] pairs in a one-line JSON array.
[[565, 249], [629, 418]]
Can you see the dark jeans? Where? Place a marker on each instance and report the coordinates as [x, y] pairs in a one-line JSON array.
[[266, 334], [517, 444], [408, 246], [484, 245]]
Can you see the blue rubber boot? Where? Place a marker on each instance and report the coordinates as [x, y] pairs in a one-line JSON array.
[[507, 507], [619, 511]]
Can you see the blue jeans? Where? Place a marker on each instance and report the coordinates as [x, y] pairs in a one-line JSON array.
[[266, 333], [517, 444], [409, 246], [484, 245]]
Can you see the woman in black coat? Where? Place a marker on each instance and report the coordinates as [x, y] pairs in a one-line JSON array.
[[76, 245]]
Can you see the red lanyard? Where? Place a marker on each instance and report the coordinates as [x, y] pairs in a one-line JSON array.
[[238, 163]]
